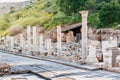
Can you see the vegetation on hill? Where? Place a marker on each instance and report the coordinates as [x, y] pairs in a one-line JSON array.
[[50, 13]]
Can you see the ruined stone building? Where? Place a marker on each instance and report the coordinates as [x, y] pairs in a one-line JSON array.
[[70, 33]]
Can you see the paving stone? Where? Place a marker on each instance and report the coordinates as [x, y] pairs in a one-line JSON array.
[[47, 74], [63, 78], [59, 71]]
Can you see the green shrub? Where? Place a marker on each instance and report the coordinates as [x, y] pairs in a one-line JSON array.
[[94, 21], [3, 24], [110, 14], [28, 21]]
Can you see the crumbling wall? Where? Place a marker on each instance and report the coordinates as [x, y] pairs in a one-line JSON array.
[[103, 34]]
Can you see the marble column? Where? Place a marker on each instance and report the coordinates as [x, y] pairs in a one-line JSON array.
[[7, 42], [59, 49], [3, 45], [11, 42], [34, 37], [49, 46], [28, 39], [84, 35], [0, 42], [21, 41], [41, 43]]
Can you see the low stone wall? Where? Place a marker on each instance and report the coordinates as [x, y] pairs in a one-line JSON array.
[[103, 34]]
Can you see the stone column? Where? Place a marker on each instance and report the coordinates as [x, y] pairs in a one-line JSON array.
[[15, 42], [59, 49], [0, 47], [45, 45], [8, 38], [41, 43], [3, 42], [7, 42], [0, 42], [12, 42], [49, 47], [3, 45], [34, 37], [21, 41], [28, 39], [84, 34]]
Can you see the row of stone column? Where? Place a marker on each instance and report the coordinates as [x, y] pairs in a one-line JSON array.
[[33, 41]]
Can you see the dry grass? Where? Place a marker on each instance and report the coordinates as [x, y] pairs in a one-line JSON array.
[[14, 30]]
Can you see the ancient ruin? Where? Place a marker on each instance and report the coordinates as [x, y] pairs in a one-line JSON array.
[[75, 43]]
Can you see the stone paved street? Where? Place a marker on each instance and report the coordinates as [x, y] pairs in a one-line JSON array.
[[53, 71]]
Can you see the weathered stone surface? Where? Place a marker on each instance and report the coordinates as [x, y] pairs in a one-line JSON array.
[[54, 36], [47, 74], [70, 37], [103, 34], [63, 37], [118, 61], [91, 58], [64, 78]]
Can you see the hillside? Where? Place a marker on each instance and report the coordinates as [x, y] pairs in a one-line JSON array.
[[8, 6], [50, 13]]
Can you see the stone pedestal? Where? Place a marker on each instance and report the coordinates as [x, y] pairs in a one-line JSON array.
[[91, 58], [110, 56], [109, 44], [107, 50], [107, 57], [118, 61], [115, 54]]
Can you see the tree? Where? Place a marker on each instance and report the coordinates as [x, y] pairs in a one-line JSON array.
[[92, 6], [110, 14], [71, 6], [106, 1]]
